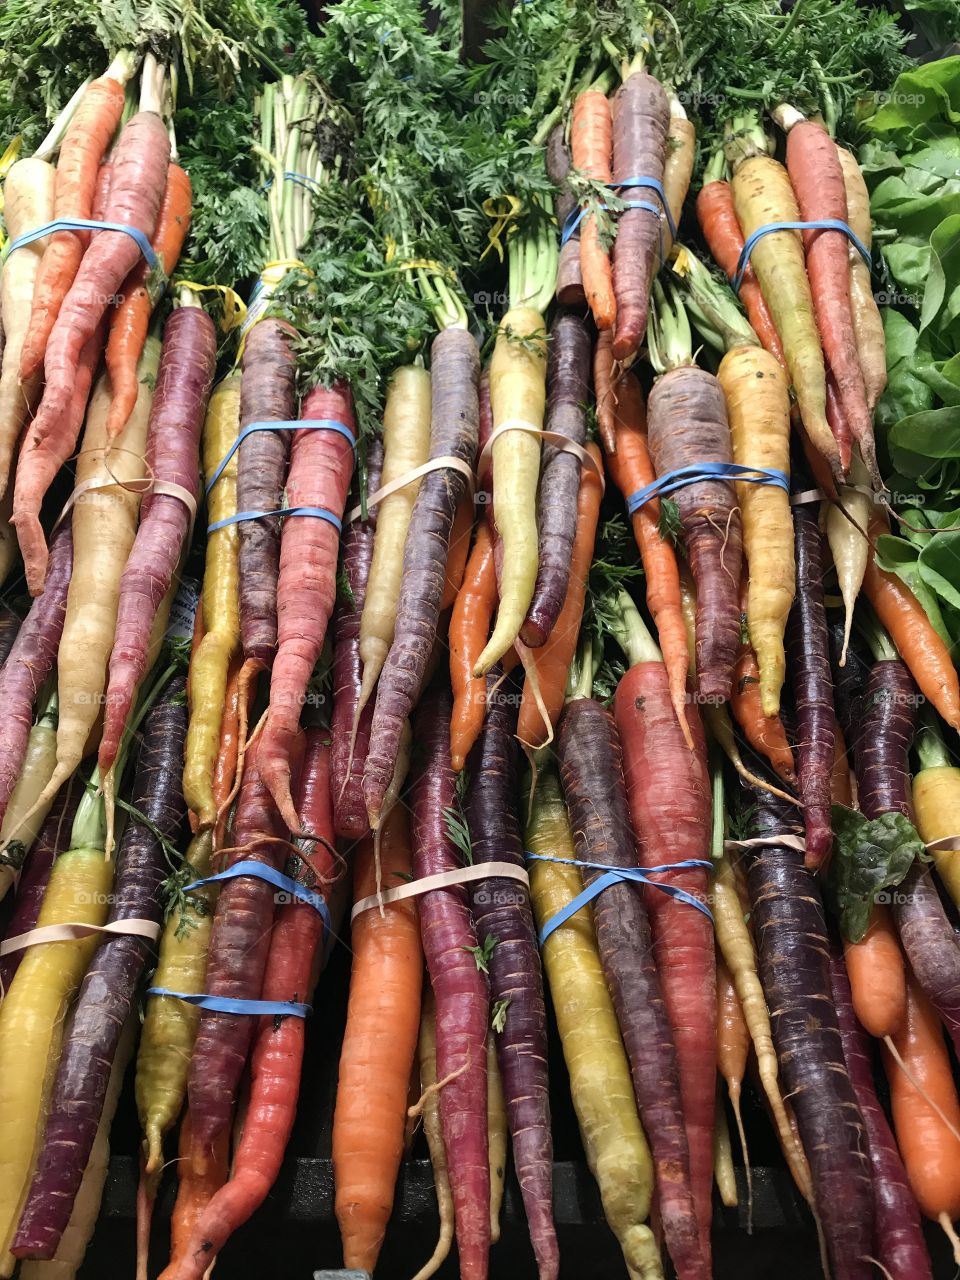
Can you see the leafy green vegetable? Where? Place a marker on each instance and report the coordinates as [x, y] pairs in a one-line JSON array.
[[498, 1017], [869, 858]]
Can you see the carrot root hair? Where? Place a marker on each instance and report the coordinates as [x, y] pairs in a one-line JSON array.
[[414, 1112], [948, 1231], [895, 1054]]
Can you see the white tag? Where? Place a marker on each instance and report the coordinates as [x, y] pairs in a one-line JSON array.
[[183, 611]]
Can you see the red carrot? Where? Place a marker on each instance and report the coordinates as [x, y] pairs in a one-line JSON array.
[[450, 945], [321, 464]]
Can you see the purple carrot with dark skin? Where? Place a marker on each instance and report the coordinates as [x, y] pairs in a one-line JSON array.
[[54, 838], [237, 957], [808, 657], [31, 660], [107, 993], [641, 117], [850, 680], [9, 626], [568, 390], [188, 360], [900, 1244], [887, 724], [346, 773], [569, 282], [450, 947], [267, 394], [501, 910], [794, 962], [687, 425], [455, 373], [591, 771]]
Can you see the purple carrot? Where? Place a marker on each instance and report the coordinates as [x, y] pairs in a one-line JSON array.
[[569, 281], [687, 426], [501, 910], [450, 947], [900, 1242], [591, 771], [887, 723], [31, 660], [808, 657], [794, 962], [267, 394], [187, 364], [641, 117], [9, 626], [850, 680], [237, 956], [455, 371], [54, 838], [107, 993], [346, 774], [568, 389]]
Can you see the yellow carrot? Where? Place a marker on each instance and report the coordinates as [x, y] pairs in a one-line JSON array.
[[677, 167], [9, 547], [723, 1173], [427, 1052], [936, 803], [844, 521], [758, 409], [517, 394], [23, 818], [496, 1137]]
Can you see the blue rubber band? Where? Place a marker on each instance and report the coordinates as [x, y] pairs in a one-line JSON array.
[[85, 224], [302, 424], [302, 179], [224, 1004], [671, 480], [261, 871], [614, 875], [321, 513], [575, 216], [821, 224]]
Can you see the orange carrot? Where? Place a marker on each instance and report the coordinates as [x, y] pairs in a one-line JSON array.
[[550, 663], [469, 629], [591, 141], [225, 767], [605, 373], [131, 319], [875, 967], [919, 644], [379, 1046], [631, 469], [195, 1190], [459, 550], [765, 734], [733, 1049], [81, 151]]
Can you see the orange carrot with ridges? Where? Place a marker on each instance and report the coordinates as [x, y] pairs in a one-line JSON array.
[[591, 140], [469, 627]]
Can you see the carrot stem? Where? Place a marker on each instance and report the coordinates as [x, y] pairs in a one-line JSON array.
[[630, 632]]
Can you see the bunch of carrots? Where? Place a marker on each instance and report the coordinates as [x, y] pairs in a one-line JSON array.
[[428, 684]]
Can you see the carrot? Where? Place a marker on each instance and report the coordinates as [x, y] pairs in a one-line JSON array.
[[631, 469], [28, 200], [569, 292], [406, 445], [469, 628], [87, 137], [600, 1085], [679, 157], [762, 194], [641, 118], [723, 1171], [758, 409], [668, 789], [590, 770], [843, 522], [138, 171], [187, 362], [106, 996], [591, 144], [379, 1045], [221, 640], [455, 372], [867, 322], [450, 946], [765, 734], [517, 393], [926, 1111], [277, 1056], [936, 802], [460, 537], [131, 318], [321, 464], [194, 1190], [817, 180], [733, 1046], [551, 662], [427, 1056], [875, 968], [912, 631], [348, 749]]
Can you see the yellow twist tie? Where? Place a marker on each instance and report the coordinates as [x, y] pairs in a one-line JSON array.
[[681, 262], [504, 210], [234, 307], [7, 161]]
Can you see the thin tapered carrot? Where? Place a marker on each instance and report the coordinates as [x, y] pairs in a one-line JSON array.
[[550, 664], [131, 319], [591, 141], [459, 551], [733, 1049], [631, 470], [765, 734], [469, 628], [913, 633]]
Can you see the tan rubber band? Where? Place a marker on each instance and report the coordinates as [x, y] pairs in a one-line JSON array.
[[556, 438], [445, 461], [149, 929], [150, 486], [761, 842], [817, 495], [442, 880]]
